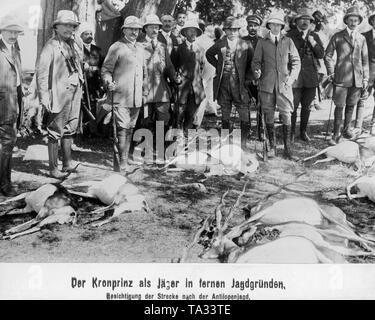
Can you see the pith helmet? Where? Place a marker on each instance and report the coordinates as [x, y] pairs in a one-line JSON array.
[[276, 17], [353, 11], [191, 24], [132, 22], [66, 17], [10, 23]]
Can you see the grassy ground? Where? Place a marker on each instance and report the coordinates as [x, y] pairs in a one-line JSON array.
[[176, 215]]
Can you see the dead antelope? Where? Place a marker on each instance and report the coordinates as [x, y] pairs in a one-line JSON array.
[[364, 186], [118, 193], [346, 151], [57, 207]]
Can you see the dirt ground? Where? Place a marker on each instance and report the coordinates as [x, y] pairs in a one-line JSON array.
[[162, 235]]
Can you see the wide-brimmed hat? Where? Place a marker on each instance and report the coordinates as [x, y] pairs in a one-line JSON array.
[[370, 18], [276, 17], [254, 18], [304, 13], [191, 24], [132, 22], [353, 11], [152, 19], [66, 17], [231, 23], [10, 23]]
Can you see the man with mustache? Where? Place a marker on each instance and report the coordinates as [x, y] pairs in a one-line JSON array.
[[59, 79], [370, 39], [93, 61], [160, 73], [188, 60], [310, 49], [10, 98], [231, 56], [276, 64], [122, 73], [350, 73], [166, 35], [253, 24]]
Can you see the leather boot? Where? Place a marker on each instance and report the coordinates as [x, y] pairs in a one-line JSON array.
[[293, 125], [337, 124], [271, 139], [53, 149], [5, 172], [286, 137], [124, 147], [359, 117], [66, 152], [305, 115], [260, 127], [347, 133], [245, 131]]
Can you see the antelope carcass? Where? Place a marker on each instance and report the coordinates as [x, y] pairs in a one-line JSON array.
[[346, 151], [52, 203], [364, 187], [118, 194]]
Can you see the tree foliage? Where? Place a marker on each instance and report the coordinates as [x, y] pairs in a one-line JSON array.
[[217, 11], [214, 11]]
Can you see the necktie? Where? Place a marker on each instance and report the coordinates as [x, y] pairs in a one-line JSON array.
[[14, 54], [276, 41], [153, 42], [351, 37]]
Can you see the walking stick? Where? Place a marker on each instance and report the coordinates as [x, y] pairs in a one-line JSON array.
[[329, 119], [116, 155]]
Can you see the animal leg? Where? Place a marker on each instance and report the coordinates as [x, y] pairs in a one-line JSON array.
[[16, 198], [16, 211], [103, 222], [324, 160], [22, 227], [316, 155], [23, 233]]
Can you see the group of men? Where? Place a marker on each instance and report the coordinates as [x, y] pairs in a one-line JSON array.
[[155, 58]]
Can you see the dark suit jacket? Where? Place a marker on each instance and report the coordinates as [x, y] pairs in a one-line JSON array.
[[371, 53], [352, 65], [308, 76], [244, 54], [174, 39], [95, 60], [253, 40], [190, 66], [8, 84]]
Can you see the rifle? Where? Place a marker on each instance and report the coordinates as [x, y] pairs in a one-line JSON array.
[[116, 154], [260, 117], [87, 110]]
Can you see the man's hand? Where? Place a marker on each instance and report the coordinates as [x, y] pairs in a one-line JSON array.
[[257, 74], [86, 66], [365, 84], [311, 40], [47, 106], [289, 81], [111, 86]]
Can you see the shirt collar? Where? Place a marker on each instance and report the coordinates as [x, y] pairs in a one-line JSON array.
[[303, 31], [272, 36], [132, 42], [350, 31], [166, 33]]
